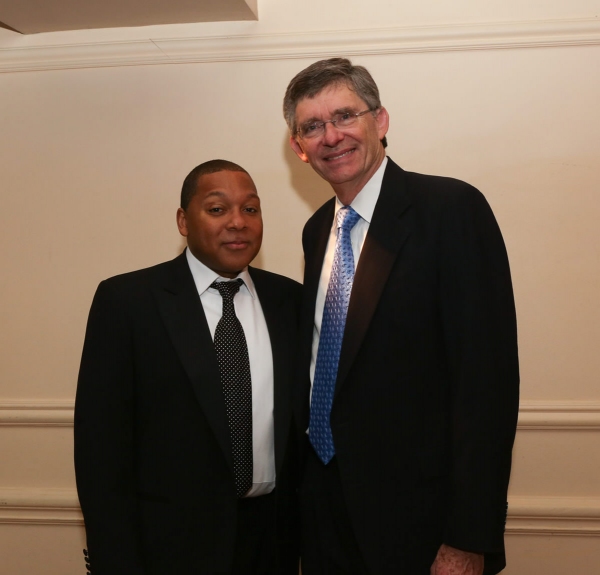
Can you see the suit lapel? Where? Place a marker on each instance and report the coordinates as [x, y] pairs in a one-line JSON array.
[[315, 238], [314, 249], [387, 233], [182, 313]]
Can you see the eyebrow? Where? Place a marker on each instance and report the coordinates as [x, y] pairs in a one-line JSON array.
[[223, 194]]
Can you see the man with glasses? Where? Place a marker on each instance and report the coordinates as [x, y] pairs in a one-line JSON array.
[[408, 397]]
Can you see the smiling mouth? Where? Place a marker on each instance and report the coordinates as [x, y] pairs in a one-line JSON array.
[[340, 156]]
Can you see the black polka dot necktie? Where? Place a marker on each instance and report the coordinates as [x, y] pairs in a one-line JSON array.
[[234, 367]]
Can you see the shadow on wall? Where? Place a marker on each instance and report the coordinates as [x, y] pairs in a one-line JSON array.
[[309, 186]]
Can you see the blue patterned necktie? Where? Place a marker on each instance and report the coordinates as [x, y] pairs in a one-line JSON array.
[[330, 339]]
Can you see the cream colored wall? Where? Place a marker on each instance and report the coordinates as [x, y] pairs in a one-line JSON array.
[[93, 153]]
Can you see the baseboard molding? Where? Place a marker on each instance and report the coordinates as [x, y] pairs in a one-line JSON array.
[[533, 415], [573, 516], [322, 44]]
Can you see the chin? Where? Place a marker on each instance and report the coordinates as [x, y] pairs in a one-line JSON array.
[[237, 266]]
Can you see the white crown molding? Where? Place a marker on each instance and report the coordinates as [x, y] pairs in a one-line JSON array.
[[533, 415], [280, 46], [576, 516]]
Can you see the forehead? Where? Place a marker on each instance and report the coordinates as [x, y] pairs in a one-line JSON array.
[[327, 102], [226, 183]]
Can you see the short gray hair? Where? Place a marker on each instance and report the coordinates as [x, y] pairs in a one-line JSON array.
[[322, 74]]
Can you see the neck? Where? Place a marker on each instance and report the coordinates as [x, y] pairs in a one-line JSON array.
[[347, 191], [346, 197]]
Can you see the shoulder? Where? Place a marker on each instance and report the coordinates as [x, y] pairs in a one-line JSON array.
[[431, 190], [448, 205], [441, 191], [140, 280], [459, 208], [127, 297]]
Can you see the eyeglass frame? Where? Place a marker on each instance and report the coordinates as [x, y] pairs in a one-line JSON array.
[[322, 123]]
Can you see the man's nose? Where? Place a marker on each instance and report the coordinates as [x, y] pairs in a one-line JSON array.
[[237, 220], [332, 134]]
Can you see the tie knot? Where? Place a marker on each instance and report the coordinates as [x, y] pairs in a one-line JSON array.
[[347, 218], [227, 289]]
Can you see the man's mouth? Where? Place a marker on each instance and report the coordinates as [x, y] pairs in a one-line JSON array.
[[236, 244], [342, 155]]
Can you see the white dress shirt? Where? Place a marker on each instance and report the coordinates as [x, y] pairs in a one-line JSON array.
[[249, 312], [364, 206]]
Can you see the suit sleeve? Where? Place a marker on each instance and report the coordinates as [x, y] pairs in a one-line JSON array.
[[104, 437], [479, 323]]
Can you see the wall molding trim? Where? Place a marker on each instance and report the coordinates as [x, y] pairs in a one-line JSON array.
[[322, 44], [38, 413], [576, 516], [555, 415], [41, 506], [533, 415]]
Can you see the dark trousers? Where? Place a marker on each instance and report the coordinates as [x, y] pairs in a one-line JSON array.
[[256, 546], [329, 546]]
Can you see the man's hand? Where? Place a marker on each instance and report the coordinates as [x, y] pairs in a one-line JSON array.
[[452, 561]]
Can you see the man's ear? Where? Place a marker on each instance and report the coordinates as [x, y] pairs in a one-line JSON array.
[[383, 122], [182, 222], [298, 149]]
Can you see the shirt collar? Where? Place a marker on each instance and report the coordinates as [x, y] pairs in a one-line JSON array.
[[204, 276], [364, 202]]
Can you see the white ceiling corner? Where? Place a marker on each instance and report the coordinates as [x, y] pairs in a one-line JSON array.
[[37, 16]]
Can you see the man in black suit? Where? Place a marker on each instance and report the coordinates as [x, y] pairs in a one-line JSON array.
[[409, 371], [183, 447]]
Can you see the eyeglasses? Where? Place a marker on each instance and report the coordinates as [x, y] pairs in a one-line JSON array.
[[341, 121]]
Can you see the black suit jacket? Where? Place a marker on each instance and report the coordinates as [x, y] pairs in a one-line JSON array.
[[152, 444], [426, 400]]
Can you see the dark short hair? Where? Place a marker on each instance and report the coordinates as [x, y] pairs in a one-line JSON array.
[[190, 184], [324, 73]]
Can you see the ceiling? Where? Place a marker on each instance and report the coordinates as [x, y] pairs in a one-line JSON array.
[[35, 16]]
